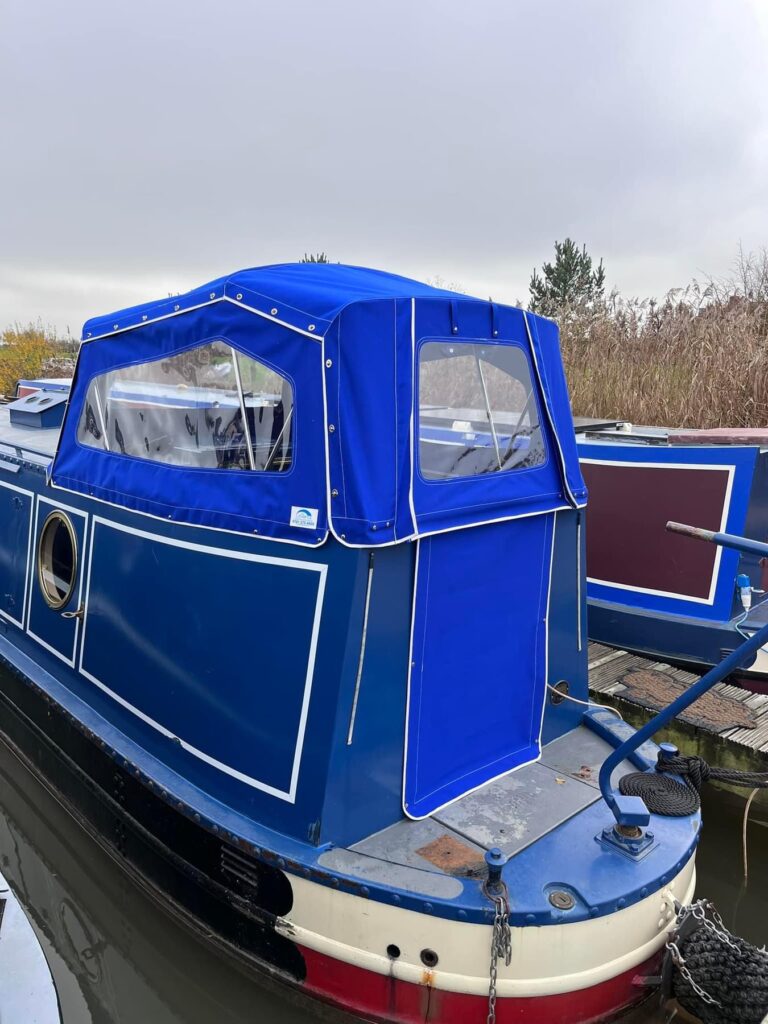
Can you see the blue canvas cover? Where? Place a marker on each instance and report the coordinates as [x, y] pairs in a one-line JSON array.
[[349, 340], [242, 502], [479, 659]]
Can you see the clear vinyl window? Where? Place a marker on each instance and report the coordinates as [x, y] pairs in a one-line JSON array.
[[210, 407], [477, 411]]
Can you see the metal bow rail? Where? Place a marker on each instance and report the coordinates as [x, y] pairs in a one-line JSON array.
[[631, 812]]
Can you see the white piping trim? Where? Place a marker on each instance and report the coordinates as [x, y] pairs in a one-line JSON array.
[[411, 667], [145, 323], [412, 426], [274, 319], [195, 526], [459, 526], [548, 411], [31, 575], [326, 449], [321, 569], [710, 599], [30, 494], [202, 305]]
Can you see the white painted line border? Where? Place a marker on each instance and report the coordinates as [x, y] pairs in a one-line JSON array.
[[321, 569], [731, 471], [31, 564]]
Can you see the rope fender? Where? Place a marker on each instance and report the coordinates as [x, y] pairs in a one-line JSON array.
[[714, 975], [678, 797]]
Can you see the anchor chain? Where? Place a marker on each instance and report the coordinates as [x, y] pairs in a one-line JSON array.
[[501, 941]]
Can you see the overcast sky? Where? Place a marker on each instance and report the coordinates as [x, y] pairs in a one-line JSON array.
[[150, 145]]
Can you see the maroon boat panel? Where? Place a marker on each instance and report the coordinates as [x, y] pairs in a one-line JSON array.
[[629, 507]]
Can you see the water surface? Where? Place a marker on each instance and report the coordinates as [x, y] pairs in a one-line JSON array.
[[118, 958]]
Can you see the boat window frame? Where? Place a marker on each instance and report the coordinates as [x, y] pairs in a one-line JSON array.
[[61, 517], [237, 353], [534, 395]]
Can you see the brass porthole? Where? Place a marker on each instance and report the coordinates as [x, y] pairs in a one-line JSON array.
[[57, 559]]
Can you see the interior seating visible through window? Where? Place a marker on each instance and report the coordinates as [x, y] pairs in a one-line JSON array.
[[209, 407]]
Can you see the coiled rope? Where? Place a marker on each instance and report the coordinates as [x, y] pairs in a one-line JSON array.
[[673, 798]]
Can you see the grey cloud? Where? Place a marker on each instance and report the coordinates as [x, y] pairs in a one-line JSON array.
[[149, 146]]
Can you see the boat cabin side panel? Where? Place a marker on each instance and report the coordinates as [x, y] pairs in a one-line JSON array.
[[222, 657]]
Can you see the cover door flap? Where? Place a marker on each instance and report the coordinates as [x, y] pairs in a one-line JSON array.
[[479, 659]]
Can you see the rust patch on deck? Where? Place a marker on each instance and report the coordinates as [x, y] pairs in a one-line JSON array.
[[452, 856], [655, 690]]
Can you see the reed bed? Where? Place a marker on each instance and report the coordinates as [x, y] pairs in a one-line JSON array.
[[699, 359]]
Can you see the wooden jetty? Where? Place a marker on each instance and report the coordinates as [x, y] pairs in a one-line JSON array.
[[728, 726]]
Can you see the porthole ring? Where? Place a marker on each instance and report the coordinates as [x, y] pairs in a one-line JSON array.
[[56, 590]]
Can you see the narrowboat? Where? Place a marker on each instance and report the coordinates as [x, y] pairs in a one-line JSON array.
[[660, 593], [293, 611]]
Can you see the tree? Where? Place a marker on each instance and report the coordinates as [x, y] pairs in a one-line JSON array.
[[567, 283], [315, 257]]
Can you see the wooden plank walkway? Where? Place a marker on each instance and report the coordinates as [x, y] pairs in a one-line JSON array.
[[749, 746]]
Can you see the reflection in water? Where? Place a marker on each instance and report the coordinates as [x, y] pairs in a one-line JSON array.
[[119, 959]]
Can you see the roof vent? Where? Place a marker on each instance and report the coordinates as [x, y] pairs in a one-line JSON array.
[[42, 409]]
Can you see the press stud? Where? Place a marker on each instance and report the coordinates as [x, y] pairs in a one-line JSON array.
[[144, 317], [331, 428], [329, 363], [273, 312], [311, 327], [239, 296], [176, 306], [334, 493], [114, 327], [213, 295]]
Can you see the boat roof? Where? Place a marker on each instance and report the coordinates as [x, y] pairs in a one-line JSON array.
[[316, 291], [35, 444], [590, 430]]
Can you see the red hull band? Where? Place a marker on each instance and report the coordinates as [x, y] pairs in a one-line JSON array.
[[381, 997]]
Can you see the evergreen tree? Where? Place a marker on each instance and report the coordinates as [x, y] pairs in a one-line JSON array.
[[569, 282], [315, 257]]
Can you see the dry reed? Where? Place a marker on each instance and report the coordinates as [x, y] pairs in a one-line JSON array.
[[699, 359]]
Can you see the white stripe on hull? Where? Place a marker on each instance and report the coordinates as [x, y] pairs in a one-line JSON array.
[[546, 960]]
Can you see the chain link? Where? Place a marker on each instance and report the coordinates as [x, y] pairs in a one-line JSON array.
[[501, 943], [679, 961]]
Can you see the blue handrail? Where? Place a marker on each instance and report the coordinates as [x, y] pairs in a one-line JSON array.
[[726, 540], [631, 810]]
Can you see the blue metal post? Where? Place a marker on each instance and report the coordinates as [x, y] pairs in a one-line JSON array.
[[630, 810]]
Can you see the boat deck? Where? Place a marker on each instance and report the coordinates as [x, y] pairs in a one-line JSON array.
[[32, 443], [728, 726], [512, 813]]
